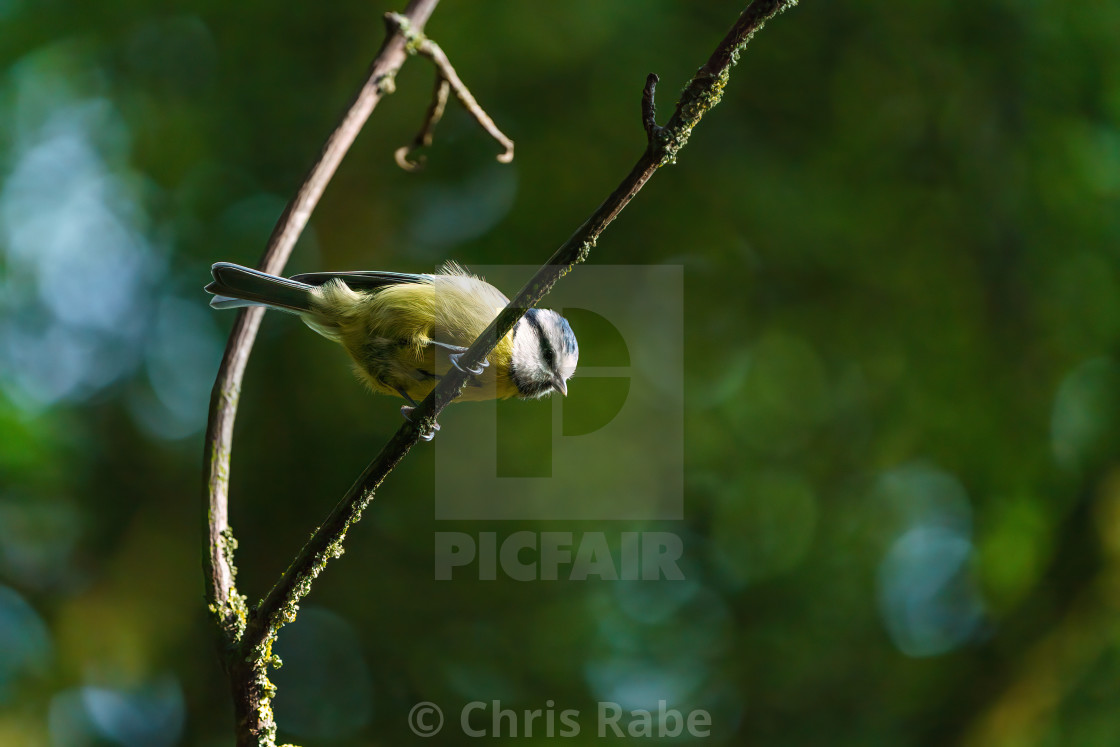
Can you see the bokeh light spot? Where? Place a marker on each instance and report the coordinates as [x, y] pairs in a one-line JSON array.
[[25, 645], [1084, 413]]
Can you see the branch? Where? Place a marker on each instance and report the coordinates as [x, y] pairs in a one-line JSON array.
[[702, 93], [226, 603]]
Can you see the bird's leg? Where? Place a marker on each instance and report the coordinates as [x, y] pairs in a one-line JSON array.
[[406, 413], [455, 353]]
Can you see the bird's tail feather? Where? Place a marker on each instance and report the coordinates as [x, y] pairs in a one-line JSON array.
[[235, 286]]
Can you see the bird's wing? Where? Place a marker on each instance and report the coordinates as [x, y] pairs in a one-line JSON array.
[[362, 279]]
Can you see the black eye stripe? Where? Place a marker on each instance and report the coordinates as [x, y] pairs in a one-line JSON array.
[[548, 352]]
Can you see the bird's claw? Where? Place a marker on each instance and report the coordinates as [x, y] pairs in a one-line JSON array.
[[428, 435], [454, 358]]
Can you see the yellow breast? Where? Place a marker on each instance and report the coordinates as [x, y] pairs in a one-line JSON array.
[[388, 332]]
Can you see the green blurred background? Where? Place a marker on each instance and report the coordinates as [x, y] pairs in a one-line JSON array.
[[900, 240]]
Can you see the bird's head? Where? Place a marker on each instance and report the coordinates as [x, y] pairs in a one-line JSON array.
[[545, 354]]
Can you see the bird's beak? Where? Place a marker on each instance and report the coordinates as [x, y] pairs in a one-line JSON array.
[[560, 385]]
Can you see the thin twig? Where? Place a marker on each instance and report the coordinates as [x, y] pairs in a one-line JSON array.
[[428, 48], [424, 137], [254, 722], [649, 107], [702, 92]]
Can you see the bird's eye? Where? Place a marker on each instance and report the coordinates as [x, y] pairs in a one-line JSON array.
[[548, 353]]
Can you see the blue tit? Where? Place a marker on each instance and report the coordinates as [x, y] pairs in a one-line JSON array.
[[391, 324]]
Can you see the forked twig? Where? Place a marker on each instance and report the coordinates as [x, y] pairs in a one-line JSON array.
[[422, 45]]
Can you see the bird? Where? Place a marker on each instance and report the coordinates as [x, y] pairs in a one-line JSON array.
[[392, 323]]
